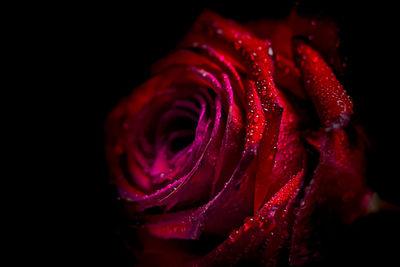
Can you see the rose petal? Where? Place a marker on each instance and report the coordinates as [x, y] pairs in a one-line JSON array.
[[288, 159], [333, 105], [253, 233], [338, 183], [229, 154]]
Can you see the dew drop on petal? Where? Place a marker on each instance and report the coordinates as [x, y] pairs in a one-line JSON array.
[[270, 52]]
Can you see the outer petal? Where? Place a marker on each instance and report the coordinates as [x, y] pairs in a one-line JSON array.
[[338, 184], [333, 105], [268, 225], [288, 160]]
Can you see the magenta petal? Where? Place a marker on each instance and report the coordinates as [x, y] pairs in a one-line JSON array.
[[230, 203], [177, 225], [232, 143]]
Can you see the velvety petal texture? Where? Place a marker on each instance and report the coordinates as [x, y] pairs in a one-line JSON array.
[[228, 152]]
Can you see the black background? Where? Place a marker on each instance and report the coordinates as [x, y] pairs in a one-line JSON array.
[[112, 50]]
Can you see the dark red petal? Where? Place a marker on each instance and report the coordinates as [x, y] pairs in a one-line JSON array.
[[333, 105], [288, 159], [338, 183], [288, 77], [249, 237], [266, 158], [230, 150]]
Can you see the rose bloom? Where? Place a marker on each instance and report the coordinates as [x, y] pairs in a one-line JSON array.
[[239, 147]]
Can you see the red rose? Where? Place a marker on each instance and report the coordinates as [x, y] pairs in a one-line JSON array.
[[237, 140]]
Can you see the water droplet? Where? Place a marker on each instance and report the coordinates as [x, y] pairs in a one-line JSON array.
[[234, 236], [270, 52], [315, 59]]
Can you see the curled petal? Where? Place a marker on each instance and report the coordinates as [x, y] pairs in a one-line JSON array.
[[333, 105]]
